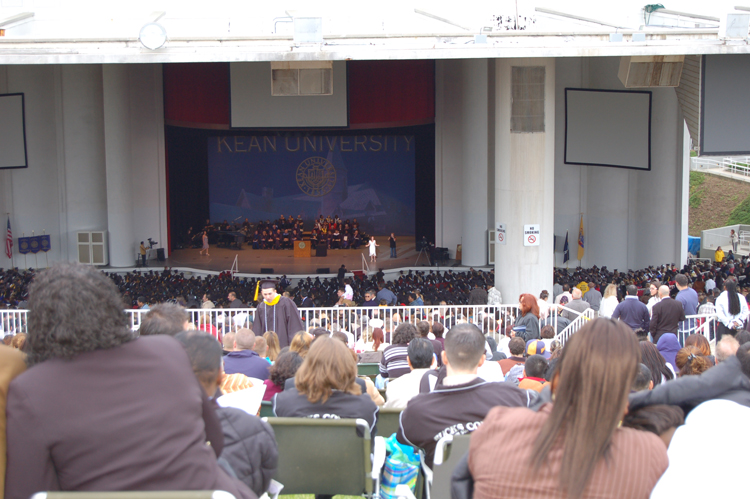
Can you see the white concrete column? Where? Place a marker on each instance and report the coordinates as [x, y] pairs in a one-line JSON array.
[[84, 179], [474, 130], [524, 187], [117, 152], [448, 157]]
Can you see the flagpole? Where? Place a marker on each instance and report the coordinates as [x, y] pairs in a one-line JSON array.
[[12, 261], [46, 258], [36, 257]]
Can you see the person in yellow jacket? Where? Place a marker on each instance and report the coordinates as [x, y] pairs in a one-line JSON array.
[[719, 255]]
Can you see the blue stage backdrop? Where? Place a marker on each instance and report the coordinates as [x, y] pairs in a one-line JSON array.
[[367, 177]]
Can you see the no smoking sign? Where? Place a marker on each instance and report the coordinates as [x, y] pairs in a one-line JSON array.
[[531, 235], [501, 233]]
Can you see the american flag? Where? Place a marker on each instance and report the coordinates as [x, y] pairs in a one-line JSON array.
[[9, 241]]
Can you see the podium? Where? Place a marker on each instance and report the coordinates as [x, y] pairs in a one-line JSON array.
[[302, 249]]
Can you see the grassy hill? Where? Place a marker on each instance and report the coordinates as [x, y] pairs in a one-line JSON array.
[[716, 201]]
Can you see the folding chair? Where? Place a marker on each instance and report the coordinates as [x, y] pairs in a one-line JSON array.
[[388, 420], [369, 370], [327, 456], [448, 452], [266, 409], [172, 494]]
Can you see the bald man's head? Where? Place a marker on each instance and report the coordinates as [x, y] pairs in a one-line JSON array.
[[663, 291], [576, 293]]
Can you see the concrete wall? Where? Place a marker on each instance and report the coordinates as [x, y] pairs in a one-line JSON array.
[[631, 218], [64, 190], [448, 154], [464, 143], [524, 187]]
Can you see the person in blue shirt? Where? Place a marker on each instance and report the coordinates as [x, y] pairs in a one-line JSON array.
[[687, 296], [632, 312], [386, 294], [244, 359]]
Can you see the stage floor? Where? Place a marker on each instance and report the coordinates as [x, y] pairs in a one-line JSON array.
[[250, 261]]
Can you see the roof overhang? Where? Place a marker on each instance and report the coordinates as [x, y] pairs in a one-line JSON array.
[[367, 47]]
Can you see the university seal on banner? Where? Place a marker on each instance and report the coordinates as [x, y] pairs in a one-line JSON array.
[[316, 176]]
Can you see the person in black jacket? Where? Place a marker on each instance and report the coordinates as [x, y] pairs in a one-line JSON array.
[[249, 443], [729, 380], [461, 399]]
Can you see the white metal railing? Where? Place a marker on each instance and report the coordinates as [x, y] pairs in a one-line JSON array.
[[701, 324], [13, 321], [575, 325], [739, 165], [353, 319], [711, 239]]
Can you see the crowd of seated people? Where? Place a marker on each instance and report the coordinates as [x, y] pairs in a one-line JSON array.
[[337, 234], [608, 414], [284, 231], [281, 234]]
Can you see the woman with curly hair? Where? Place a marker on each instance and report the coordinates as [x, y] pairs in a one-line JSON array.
[[691, 362], [529, 319], [99, 410], [701, 343], [285, 367]]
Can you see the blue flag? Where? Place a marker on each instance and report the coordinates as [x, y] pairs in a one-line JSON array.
[[566, 249]]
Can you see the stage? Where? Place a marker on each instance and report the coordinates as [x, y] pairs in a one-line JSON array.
[[251, 261]]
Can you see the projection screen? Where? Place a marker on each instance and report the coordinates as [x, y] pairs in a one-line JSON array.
[[12, 132], [608, 128], [725, 110]]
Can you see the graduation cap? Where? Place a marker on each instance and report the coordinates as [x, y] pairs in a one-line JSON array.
[[264, 284]]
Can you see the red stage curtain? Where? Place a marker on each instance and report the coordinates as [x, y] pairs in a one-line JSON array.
[[196, 93], [381, 93], [391, 93]]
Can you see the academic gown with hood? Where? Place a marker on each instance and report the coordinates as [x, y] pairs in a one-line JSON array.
[[282, 318]]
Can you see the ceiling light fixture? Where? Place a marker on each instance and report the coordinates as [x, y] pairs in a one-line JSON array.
[[153, 36]]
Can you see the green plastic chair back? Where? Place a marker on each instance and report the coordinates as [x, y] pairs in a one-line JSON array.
[[370, 370], [266, 409], [323, 456], [388, 421], [441, 474]]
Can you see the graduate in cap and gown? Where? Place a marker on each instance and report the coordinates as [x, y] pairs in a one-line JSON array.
[[276, 313]]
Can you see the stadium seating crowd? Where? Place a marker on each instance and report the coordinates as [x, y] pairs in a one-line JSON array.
[[610, 386]]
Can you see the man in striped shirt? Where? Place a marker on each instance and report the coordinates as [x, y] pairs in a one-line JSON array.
[[394, 362]]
